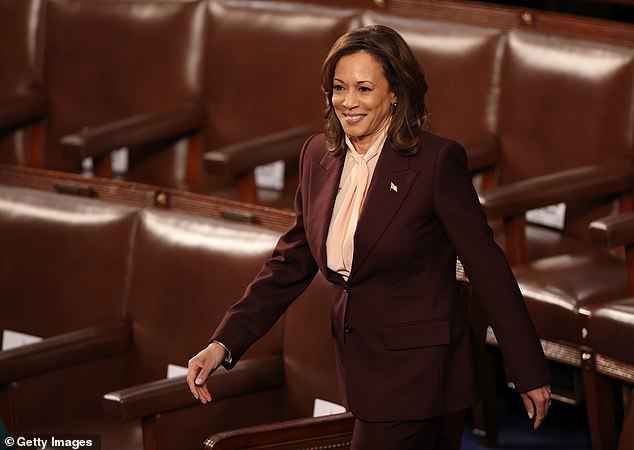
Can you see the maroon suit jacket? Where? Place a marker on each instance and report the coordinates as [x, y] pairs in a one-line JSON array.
[[404, 346]]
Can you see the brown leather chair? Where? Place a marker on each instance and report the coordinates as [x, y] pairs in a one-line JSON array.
[[263, 61], [21, 100], [64, 266], [187, 273], [124, 74], [259, 106], [561, 151], [562, 108], [606, 333]]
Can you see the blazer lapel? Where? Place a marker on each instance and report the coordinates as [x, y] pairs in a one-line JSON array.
[[391, 182], [324, 185]]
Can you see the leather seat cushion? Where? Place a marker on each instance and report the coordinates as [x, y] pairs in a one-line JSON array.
[[611, 329], [555, 288]]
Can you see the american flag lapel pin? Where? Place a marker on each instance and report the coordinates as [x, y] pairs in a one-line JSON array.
[[393, 187]]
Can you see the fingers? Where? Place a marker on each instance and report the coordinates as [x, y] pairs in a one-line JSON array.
[[198, 370], [537, 403], [529, 405], [192, 372]]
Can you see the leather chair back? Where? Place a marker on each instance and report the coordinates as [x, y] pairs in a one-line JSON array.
[[262, 66], [107, 60], [564, 103], [186, 272], [64, 266], [21, 62], [64, 261]]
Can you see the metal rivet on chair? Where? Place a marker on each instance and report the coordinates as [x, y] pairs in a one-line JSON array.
[[527, 18], [161, 199]]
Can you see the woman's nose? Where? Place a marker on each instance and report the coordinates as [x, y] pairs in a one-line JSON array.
[[350, 99]]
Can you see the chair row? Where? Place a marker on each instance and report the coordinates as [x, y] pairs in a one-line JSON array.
[[231, 84], [118, 292]]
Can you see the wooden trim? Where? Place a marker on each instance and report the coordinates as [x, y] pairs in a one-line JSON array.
[[509, 17], [36, 154], [600, 409], [489, 179], [194, 160], [143, 195], [149, 426], [102, 167], [515, 239], [247, 190], [614, 368]]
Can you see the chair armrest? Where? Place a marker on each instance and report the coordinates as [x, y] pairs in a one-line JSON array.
[[579, 184], [64, 350], [134, 131], [613, 231], [315, 432], [483, 154], [20, 110], [237, 159], [250, 375]]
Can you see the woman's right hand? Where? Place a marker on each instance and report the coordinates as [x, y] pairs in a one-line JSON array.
[[200, 367]]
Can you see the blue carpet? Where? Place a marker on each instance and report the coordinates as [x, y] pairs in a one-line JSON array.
[[565, 428]]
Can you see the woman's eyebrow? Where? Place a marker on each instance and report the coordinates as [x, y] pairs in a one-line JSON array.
[[356, 82]]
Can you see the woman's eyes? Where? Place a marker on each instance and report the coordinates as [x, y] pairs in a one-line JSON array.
[[340, 88]]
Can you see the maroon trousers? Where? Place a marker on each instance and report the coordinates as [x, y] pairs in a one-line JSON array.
[[438, 433]]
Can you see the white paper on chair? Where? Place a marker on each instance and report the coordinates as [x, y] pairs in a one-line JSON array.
[[119, 160], [326, 408], [174, 371], [14, 339], [553, 216], [270, 176]]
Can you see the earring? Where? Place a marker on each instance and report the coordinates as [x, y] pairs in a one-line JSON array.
[[394, 105]]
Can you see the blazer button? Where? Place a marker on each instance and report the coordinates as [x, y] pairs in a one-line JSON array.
[[347, 328]]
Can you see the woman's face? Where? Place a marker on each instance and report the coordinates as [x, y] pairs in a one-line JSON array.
[[361, 97]]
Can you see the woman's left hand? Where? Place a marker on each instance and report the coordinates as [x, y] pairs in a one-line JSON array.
[[537, 402]]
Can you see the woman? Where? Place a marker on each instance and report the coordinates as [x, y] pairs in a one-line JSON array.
[[383, 208]]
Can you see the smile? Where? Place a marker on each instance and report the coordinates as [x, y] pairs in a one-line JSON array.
[[353, 119]]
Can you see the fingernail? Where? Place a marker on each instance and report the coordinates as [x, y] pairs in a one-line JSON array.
[[195, 396], [199, 380], [530, 415]]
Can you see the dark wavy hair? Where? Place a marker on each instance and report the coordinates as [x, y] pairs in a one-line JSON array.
[[405, 78]]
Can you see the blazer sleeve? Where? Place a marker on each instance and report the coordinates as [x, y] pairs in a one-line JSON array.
[[281, 280], [459, 212]]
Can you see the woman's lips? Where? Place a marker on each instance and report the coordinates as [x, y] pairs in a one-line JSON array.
[[353, 119]]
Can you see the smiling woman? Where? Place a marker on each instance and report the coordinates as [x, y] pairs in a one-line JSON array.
[[362, 98], [383, 209], [390, 60]]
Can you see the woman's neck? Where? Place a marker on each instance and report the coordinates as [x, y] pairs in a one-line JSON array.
[[362, 144]]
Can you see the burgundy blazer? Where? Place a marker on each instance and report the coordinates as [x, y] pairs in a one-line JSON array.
[[404, 347]]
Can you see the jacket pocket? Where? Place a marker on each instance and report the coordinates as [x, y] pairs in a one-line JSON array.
[[417, 335]]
